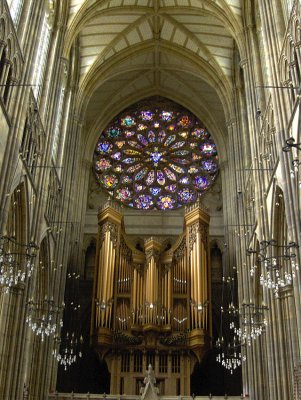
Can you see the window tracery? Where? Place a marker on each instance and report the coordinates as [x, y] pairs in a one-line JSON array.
[[156, 156]]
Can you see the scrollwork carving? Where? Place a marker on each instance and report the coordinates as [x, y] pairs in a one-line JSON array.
[[138, 267], [180, 251], [193, 230], [152, 253], [166, 267], [125, 251], [112, 228]]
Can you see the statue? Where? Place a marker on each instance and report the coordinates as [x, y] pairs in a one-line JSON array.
[[149, 391]]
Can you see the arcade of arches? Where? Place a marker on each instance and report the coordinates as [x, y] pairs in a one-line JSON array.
[[150, 198]]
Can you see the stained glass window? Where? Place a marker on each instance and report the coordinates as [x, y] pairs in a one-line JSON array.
[[155, 155]]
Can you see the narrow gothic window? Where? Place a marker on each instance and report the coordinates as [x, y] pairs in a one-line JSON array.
[[41, 57], [57, 128], [15, 7]]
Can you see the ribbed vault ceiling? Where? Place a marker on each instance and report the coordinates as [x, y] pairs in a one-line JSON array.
[[129, 49]]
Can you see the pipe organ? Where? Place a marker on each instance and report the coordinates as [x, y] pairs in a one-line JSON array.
[[152, 305]]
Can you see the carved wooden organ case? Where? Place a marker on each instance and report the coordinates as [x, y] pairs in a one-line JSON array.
[[154, 302]]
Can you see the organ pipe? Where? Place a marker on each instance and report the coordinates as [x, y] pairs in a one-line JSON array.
[[153, 288]]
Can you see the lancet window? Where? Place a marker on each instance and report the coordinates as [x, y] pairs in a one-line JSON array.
[[43, 49], [15, 7]]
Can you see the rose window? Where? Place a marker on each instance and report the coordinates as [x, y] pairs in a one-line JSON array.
[[155, 157]]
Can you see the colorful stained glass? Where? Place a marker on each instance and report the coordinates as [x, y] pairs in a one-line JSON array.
[[165, 203], [171, 188], [196, 156], [169, 140], [129, 134], [113, 132], [177, 145], [129, 160], [170, 175], [186, 195], [200, 182], [134, 168], [184, 121], [118, 168], [161, 136], [181, 152], [208, 148], [178, 169], [130, 152], [166, 115], [155, 157], [141, 174], [209, 165], [135, 144], [128, 121], [150, 178], [151, 136], [193, 170], [104, 147], [142, 127], [120, 144], [116, 156], [109, 181], [126, 179], [142, 139], [184, 134], [144, 201], [103, 164], [199, 133], [160, 178], [155, 190], [183, 161], [124, 194], [184, 180], [147, 115], [139, 187]]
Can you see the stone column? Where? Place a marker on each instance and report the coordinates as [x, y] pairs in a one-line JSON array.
[[12, 329]]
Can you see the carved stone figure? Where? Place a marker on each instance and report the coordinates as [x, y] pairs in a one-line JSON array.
[[149, 391]]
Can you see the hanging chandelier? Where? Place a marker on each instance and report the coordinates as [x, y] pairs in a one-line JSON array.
[[229, 351], [16, 262], [252, 322], [272, 256], [68, 349], [229, 354], [42, 317]]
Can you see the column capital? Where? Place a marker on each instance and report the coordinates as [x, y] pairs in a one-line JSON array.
[[243, 62], [231, 122]]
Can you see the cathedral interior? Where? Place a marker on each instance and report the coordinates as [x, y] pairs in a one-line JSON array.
[[150, 199]]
